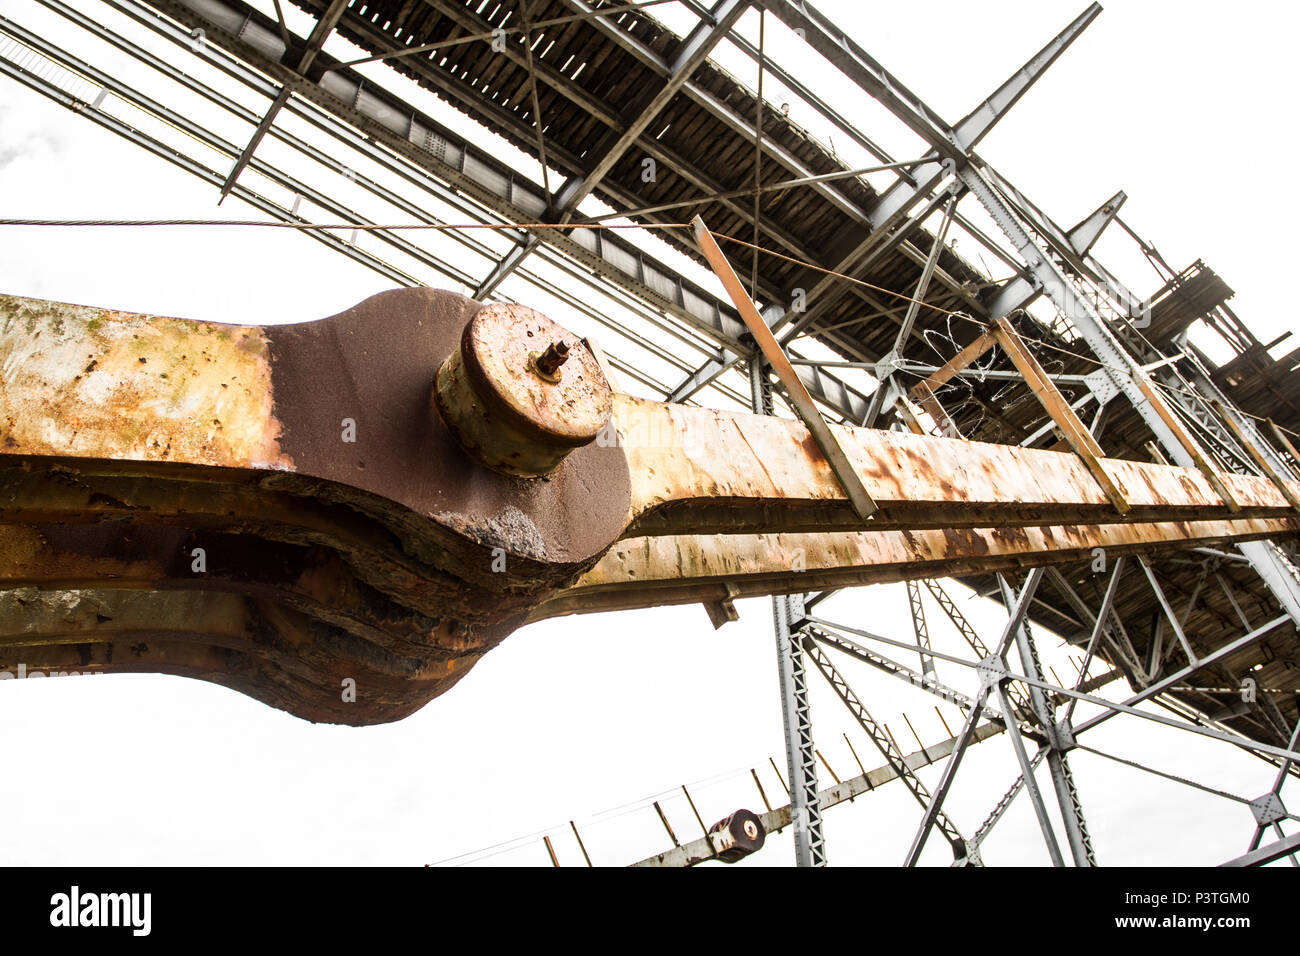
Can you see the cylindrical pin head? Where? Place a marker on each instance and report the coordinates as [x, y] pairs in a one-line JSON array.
[[521, 392]]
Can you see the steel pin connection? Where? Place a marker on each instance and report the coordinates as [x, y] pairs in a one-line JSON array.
[[547, 364]]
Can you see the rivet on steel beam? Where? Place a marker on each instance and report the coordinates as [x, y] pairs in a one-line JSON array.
[[517, 407]]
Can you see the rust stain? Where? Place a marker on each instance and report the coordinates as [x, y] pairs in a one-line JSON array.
[[95, 383]]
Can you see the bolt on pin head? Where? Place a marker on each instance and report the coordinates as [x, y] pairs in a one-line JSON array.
[[521, 392], [547, 364]]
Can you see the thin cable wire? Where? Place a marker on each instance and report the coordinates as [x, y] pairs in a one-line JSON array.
[[601, 816], [841, 275], [375, 227], [364, 227]]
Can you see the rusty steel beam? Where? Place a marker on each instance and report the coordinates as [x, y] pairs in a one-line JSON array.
[[378, 498], [688, 569], [396, 556], [697, 469]]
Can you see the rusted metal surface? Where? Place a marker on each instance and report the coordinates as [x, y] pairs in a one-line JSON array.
[[81, 381], [286, 510], [375, 364], [520, 392], [262, 648], [698, 469], [308, 463], [737, 836], [688, 569]]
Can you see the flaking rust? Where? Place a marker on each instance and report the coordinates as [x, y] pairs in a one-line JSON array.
[[697, 568], [378, 498], [80, 381], [301, 471]]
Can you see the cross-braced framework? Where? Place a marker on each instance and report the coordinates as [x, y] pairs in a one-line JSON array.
[[857, 299]]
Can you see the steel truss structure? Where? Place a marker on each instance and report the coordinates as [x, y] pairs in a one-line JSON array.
[[867, 281]]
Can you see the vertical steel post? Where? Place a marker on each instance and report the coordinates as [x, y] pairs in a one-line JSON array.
[[801, 759], [1076, 828], [921, 629], [1277, 787], [1027, 773], [992, 670]]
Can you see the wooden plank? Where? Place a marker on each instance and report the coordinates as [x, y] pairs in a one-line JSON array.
[[848, 478], [1054, 403], [961, 360], [909, 418], [1282, 484], [1206, 467], [1280, 435], [924, 391], [926, 398]]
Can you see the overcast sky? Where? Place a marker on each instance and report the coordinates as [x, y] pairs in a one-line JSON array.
[[589, 718]]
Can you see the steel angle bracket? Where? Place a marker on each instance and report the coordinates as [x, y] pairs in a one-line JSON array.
[[971, 855]]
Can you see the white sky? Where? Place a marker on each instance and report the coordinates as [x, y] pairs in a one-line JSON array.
[[575, 717]]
